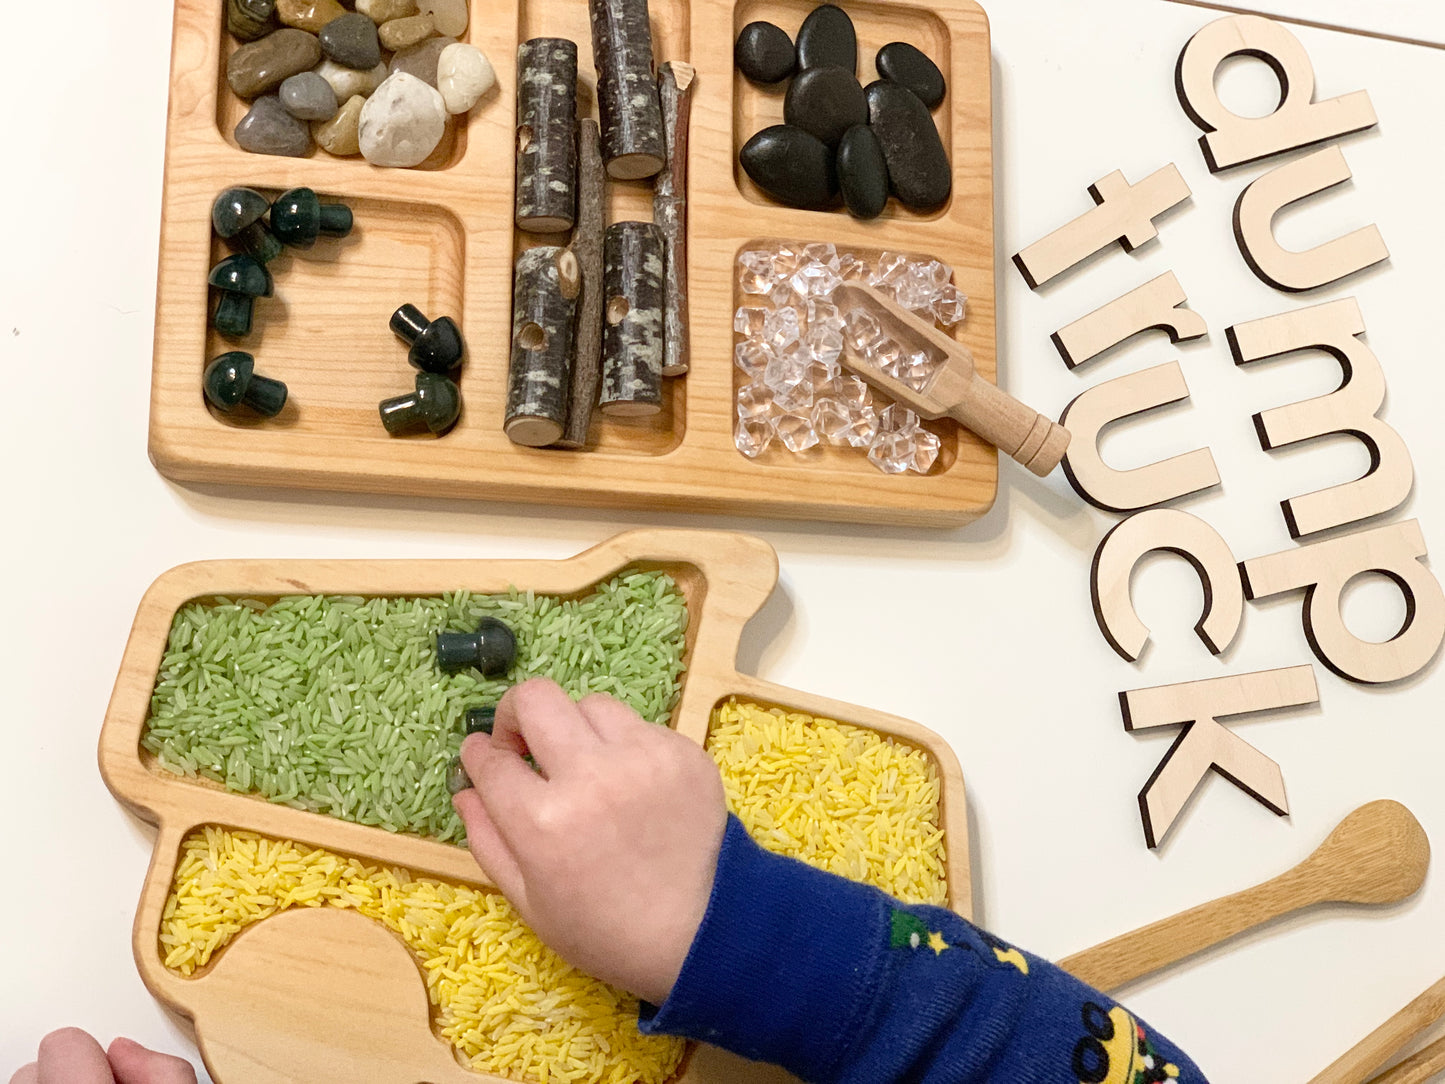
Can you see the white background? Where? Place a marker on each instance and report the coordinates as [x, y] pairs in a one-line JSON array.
[[984, 633]]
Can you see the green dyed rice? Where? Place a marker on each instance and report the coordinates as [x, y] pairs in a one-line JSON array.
[[335, 704]]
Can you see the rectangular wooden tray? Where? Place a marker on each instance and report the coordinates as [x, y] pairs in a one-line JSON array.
[[441, 237], [725, 579]]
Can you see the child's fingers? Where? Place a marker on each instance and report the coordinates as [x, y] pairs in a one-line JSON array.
[[26, 1074], [611, 719], [134, 1064], [489, 848], [506, 785], [70, 1056], [555, 732]]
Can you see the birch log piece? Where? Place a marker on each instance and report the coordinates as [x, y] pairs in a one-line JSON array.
[[632, 142], [632, 320], [544, 299], [669, 211], [587, 247], [546, 134]]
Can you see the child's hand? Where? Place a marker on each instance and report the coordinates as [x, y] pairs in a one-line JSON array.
[[608, 853], [70, 1056]]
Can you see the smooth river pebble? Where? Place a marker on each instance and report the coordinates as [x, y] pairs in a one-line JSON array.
[[450, 16], [402, 122], [918, 170], [383, 11], [351, 40], [261, 66], [340, 135], [764, 53], [792, 166], [464, 74], [307, 96], [421, 60], [827, 39], [309, 15], [826, 102], [348, 82], [269, 129], [248, 20], [901, 63], [404, 32], [862, 172]]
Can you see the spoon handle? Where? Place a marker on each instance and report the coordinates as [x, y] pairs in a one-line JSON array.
[[1121, 960], [1355, 1064]]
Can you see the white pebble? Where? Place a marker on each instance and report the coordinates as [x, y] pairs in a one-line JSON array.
[[450, 16], [402, 122], [348, 82], [464, 74]]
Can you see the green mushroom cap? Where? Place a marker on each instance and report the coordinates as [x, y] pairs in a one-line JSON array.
[[227, 378], [241, 274], [438, 399], [237, 208]]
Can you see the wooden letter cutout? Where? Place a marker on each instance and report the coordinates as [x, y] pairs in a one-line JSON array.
[[1323, 569], [1205, 744], [1295, 272], [1178, 533], [1125, 213], [1158, 305], [1333, 328], [1298, 120], [1129, 490]]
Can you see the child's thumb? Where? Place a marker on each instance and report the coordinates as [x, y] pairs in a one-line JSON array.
[[134, 1064]]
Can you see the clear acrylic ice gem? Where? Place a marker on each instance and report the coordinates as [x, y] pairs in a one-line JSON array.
[[892, 452], [863, 429], [755, 271], [815, 280], [917, 369], [948, 307], [748, 320], [787, 368], [824, 344], [794, 398], [752, 436], [823, 314], [925, 451], [861, 330], [822, 252], [896, 418], [832, 420], [787, 258], [780, 328], [890, 268], [795, 430], [754, 401], [753, 357], [852, 268], [914, 289]]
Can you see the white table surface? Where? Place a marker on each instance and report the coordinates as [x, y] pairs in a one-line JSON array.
[[994, 643]]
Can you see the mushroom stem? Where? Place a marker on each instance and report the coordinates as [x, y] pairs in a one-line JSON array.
[[408, 323], [265, 396], [336, 219], [233, 315]]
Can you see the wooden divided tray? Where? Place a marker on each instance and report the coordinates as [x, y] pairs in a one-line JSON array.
[[441, 237], [266, 1009]]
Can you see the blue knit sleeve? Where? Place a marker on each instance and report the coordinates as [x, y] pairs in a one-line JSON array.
[[837, 982]]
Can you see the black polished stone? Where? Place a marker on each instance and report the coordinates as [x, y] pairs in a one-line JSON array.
[[436, 345], [826, 102], [231, 381], [239, 279], [492, 649], [481, 720], [351, 41], [862, 172], [901, 63], [827, 39], [792, 166], [764, 53], [298, 218], [434, 405], [919, 173]]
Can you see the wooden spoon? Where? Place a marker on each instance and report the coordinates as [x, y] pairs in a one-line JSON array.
[[955, 390], [1377, 854], [320, 995], [1356, 1063]]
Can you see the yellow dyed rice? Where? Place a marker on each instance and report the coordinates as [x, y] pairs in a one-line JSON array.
[[503, 999], [839, 797]]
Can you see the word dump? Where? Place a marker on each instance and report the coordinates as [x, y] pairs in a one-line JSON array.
[[1320, 566]]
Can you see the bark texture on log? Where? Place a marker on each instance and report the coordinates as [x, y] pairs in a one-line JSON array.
[[632, 319], [632, 142], [669, 211], [546, 135], [587, 247], [539, 379]]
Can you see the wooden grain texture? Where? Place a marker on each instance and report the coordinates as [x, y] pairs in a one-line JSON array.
[[954, 390], [1377, 855], [1158, 305], [1355, 1065], [725, 578], [442, 238]]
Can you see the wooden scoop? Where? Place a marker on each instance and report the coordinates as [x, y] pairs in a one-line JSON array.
[[320, 995], [955, 391], [1377, 854]]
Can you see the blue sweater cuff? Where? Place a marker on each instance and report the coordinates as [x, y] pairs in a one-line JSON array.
[[740, 988]]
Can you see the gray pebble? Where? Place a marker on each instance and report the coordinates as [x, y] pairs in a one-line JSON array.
[[307, 96], [421, 60], [269, 129], [351, 40]]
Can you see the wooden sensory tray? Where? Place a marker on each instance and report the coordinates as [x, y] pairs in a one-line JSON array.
[[254, 1006], [441, 237]]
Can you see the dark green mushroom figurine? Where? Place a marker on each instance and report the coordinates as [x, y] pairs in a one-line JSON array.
[[492, 649], [435, 404], [240, 279], [231, 381], [436, 345], [481, 720], [457, 778], [236, 217], [298, 218]]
